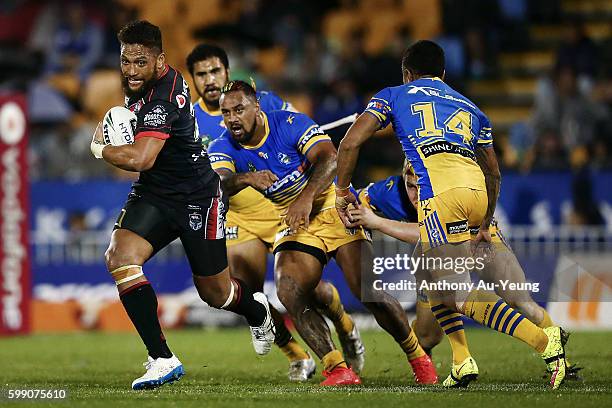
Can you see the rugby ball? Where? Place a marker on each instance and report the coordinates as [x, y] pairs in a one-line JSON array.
[[118, 126]]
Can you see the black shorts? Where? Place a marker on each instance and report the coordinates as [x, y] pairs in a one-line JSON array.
[[199, 225]]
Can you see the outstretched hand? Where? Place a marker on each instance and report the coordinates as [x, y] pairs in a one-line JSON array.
[[298, 214]]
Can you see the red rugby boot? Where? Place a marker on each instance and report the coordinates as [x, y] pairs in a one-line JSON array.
[[340, 376], [424, 370]]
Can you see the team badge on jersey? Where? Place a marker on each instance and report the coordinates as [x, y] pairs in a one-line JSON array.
[[252, 167], [195, 221], [283, 158]]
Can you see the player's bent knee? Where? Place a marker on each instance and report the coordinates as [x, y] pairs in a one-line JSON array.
[[116, 259]]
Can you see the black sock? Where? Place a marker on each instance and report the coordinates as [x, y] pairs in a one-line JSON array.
[[247, 306], [140, 303]]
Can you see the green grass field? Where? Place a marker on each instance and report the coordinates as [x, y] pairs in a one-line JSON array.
[[222, 370]]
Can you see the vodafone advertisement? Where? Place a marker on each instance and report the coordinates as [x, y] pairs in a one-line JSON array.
[[14, 225]]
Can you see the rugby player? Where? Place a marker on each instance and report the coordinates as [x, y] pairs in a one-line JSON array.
[[300, 160], [448, 142], [389, 206], [383, 207], [252, 220], [177, 195]]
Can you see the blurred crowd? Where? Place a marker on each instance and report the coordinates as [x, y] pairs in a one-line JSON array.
[[328, 58]]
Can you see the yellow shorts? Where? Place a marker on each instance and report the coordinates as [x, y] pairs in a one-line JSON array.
[[446, 217], [254, 218], [326, 232]]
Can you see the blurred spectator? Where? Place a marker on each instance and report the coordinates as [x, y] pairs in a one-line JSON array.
[[119, 17], [455, 57], [341, 100], [332, 69], [578, 52], [561, 108], [513, 27], [62, 151], [77, 43], [548, 153]]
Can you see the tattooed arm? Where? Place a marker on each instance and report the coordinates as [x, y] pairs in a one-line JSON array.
[[487, 160]]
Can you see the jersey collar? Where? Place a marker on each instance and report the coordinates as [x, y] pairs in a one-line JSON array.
[[202, 105], [263, 139]]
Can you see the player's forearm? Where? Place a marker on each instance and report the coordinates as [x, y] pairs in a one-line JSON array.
[[126, 157], [322, 176], [407, 232], [490, 168], [233, 183], [348, 153]]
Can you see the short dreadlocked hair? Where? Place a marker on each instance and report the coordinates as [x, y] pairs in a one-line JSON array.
[[240, 86]]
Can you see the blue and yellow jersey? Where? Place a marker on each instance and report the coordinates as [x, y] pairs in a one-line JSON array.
[[210, 123], [389, 198], [288, 138], [439, 129], [210, 127]]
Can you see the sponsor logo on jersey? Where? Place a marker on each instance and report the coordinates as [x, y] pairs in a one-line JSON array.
[[195, 221], [290, 119], [314, 131], [181, 100], [443, 146], [263, 155], [457, 227], [156, 117], [289, 178], [231, 232], [429, 91]]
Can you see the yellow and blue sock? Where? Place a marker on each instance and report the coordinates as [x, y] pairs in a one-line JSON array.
[[452, 324], [489, 310]]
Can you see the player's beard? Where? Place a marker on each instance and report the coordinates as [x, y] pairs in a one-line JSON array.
[[211, 102], [247, 135], [140, 92]]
